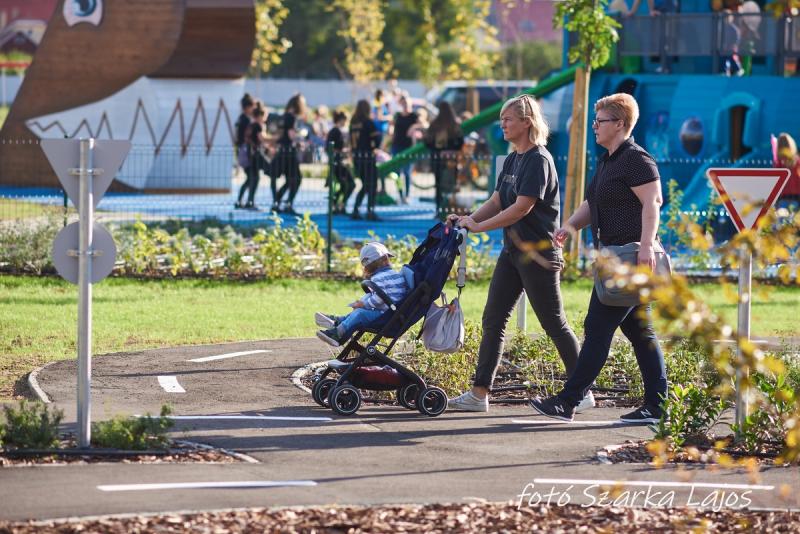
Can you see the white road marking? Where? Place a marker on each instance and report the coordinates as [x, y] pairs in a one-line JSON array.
[[224, 356], [170, 384], [206, 485], [245, 417], [615, 422], [668, 484]]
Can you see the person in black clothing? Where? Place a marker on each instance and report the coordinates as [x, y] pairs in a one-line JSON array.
[[622, 206], [365, 139], [243, 155], [336, 148], [526, 205], [444, 139], [286, 162], [258, 144], [405, 121]]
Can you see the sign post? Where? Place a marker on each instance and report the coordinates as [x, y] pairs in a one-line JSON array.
[[747, 195], [84, 252]]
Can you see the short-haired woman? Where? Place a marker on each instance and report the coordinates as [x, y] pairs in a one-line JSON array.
[[525, 204], [622, 205]]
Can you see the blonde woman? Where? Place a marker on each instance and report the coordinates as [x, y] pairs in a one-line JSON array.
[[622, 206], [525, 204]]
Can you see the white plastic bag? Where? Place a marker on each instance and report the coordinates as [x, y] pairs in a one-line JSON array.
[[443, 330]]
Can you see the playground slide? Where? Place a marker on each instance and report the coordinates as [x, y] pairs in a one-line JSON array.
[[696, 194], [484, 118]]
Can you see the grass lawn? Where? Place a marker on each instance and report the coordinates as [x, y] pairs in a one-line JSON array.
[[39, 315], [16, 209]]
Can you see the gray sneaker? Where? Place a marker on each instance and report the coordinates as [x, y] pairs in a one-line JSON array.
[[325, 320], [469, 402], [586, 403]]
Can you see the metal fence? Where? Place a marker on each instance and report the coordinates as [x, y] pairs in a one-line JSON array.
[[714, 35]]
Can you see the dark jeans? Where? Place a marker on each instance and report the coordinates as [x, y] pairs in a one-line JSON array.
[[367, 170], [252, 172], [513, 273], [346, 183], [286, 164], [600, 324], [405, 170]]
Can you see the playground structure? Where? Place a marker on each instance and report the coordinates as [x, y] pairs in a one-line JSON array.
[[164, 74], [692, 115]]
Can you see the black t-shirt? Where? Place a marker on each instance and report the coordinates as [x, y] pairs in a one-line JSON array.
[[402, 123], [255, 134], [530, 174], [335, 143], [364, 137], [286, 124], [616, 210], [241, 126]]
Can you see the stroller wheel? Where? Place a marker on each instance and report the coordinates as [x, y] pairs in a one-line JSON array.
[[321, 390], [432, 401], [407, 396], [345, 400]]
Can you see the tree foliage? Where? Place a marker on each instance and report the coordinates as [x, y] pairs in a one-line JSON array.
[[475, 40], [362, 27], [596, 31], [270, 46]]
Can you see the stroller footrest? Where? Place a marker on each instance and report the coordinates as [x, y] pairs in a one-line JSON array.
[[338, 365]]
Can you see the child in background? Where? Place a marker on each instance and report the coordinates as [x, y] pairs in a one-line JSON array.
[[336, 153], [378, 268]]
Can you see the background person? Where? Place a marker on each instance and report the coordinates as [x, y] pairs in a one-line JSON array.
[[525, 204], [622, 205], [243, 155], [365, 140], [286, 162], [405, 120], [444, 139], [786, 156], [336, 148]]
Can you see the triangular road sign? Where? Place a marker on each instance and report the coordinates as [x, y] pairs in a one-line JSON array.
[[64, 155], [748, 193]]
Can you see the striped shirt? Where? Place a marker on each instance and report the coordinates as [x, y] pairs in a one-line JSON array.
[[393, 284]]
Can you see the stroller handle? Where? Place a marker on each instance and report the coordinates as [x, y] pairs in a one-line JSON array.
[[371, 287]]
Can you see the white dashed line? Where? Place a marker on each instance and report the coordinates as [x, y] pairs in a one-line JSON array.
[[615, 422], [666, 484], [206, 485], [224, 356], [170, 384], [245, 417]]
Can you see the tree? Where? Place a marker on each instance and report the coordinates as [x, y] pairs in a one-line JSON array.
[[362, 27], [596, 33], [270, 46]]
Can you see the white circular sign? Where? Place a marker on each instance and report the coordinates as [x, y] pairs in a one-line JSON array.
[[66, 263]]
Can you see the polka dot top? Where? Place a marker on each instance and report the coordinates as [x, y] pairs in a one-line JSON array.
[[616, 210]]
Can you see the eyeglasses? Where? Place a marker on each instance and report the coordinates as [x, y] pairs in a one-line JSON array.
[[597, 122]]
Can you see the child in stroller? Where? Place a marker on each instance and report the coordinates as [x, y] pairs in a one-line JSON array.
[[368, 366], [378, 269]]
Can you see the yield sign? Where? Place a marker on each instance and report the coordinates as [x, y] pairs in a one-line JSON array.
[[64, 155], [748, 193]]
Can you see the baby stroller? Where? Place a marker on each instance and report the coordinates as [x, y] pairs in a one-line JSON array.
[[368, 366]]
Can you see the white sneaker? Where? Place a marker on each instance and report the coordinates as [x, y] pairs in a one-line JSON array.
[[324, 320], [469, 402], [586, 402]]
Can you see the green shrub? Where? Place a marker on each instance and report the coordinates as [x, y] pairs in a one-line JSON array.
[[26, 245], [690, 412], [133, 433], [31, 425], [765, 424]]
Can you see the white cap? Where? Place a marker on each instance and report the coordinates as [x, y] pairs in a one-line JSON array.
[[373, 252]]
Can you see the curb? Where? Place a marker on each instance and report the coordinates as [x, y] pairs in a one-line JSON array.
[[33, 383], [241, 456], [303, 371]]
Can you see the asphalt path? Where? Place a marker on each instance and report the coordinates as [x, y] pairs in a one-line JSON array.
[[307, 455]]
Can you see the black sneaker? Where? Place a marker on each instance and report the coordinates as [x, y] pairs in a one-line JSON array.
[[644, 415], [330, 336], [553, 407]]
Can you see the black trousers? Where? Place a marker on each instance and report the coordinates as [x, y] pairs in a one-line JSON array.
[[367, 170], [599, 327], [286, 164], [346, 183], [513, 273], [253, 176]]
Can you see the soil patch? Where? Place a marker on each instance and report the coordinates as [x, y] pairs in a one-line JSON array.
[[700, 452]]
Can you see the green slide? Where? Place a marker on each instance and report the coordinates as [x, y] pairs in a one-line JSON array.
[[484, 118]]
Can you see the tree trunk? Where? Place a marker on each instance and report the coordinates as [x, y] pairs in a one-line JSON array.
[[576, 162]]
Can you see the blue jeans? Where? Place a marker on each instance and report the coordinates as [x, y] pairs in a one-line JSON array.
[[599, 327], [357, 319]]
